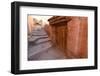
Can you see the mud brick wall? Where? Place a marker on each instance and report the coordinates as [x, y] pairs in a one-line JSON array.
[[69, 34]]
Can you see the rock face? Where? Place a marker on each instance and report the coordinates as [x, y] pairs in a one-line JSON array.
[[40, 47]]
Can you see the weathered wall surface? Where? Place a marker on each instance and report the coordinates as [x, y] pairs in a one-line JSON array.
[[70, 35], [77, 37]]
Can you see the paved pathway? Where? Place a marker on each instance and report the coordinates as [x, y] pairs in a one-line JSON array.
[[41, 48]]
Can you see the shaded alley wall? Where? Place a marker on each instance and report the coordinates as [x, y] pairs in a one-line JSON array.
[[69, 34]]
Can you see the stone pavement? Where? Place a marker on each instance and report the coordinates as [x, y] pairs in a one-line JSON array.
[[40, 47]]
